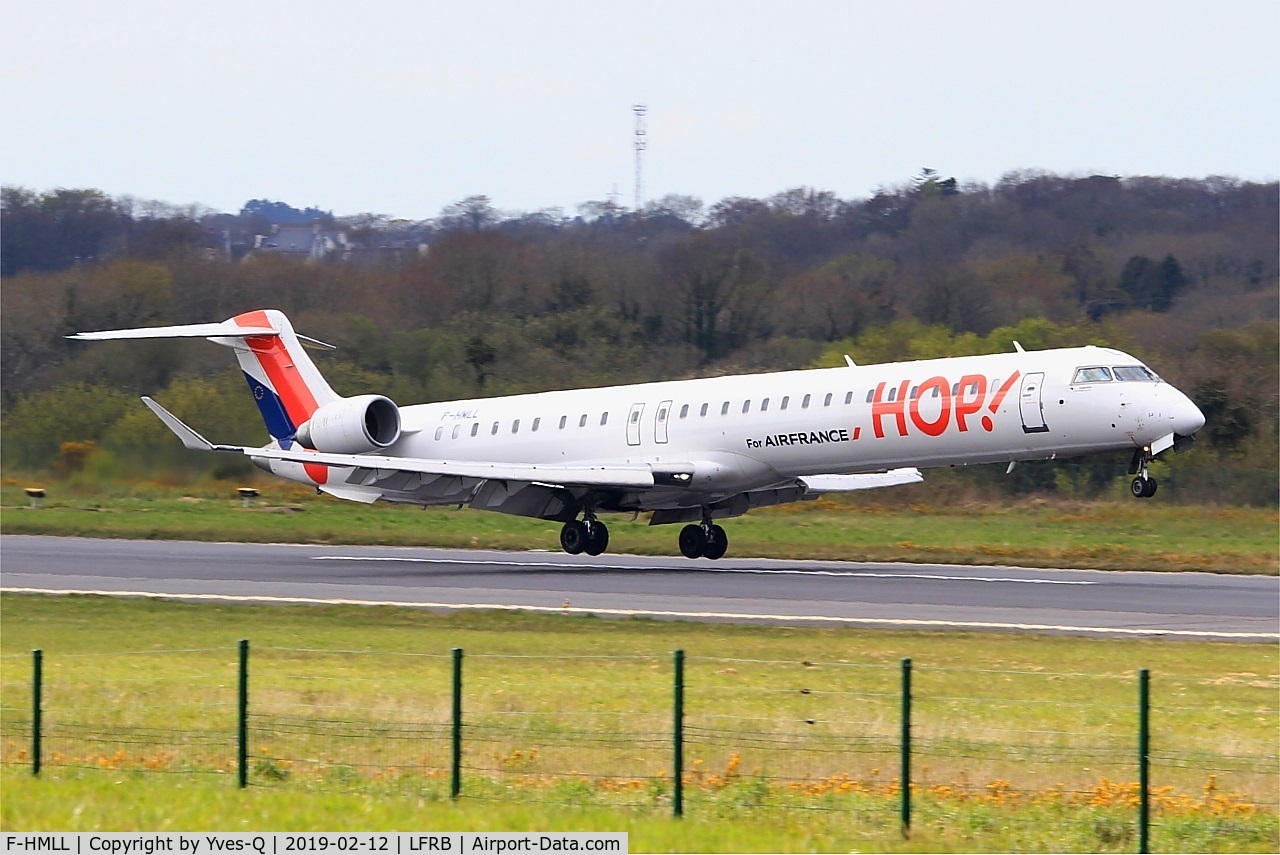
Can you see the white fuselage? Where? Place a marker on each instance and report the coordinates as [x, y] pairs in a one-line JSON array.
[[741, 433]]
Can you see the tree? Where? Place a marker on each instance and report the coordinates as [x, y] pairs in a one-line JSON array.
[[1152, 286], [472, 214]]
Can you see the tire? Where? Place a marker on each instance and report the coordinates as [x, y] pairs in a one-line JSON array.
[[693, 541], [717, 543], [1151, 488], [1138, 487], [597, 538], [573, 537]]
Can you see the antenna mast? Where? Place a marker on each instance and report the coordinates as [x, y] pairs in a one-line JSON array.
[[640, 145]]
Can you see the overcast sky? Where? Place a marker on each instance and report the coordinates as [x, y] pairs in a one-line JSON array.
[[401, 108]]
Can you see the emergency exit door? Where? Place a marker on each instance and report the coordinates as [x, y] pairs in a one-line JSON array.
[[633, 424]]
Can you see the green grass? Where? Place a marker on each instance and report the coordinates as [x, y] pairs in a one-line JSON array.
[[1022, 743], [1128, 535], [131, 802]]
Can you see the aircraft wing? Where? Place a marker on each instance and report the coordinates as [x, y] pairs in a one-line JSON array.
[[625, 476]]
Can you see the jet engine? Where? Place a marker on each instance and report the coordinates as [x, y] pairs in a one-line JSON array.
[[352, 425]]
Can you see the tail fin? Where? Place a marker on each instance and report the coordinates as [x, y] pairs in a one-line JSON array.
[[282, 378]]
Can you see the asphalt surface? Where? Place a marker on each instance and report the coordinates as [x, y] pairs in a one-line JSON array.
[[926, 596]]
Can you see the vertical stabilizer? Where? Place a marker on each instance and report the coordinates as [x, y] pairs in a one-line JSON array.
[[284, 381]]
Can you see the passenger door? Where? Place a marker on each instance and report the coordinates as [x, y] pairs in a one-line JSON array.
[[1030, 404], [660, 423]]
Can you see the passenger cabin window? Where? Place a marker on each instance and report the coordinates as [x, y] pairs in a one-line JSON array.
[[786, 399], [1129, 373], [684, 411], [848, 398], [871, 393], [536, 422], [439, 433], [582, 422], [826, 402], [456, 430], [604, 419], [475, 429], [764, 405], [746, 407], [494, 432], [804, 402], [703, 411], [1096, 374], [893, 393], [515, 426], [724, 410], [563, 421], [635, 416], [662, 415]]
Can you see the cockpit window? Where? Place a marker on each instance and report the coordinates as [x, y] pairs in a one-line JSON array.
[[1092, 375], [1135, 372]]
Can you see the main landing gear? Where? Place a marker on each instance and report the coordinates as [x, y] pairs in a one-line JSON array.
[[587, 535], [707, 540], [1144, 486]]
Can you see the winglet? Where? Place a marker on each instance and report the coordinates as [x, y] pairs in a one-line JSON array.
[[189, 437]]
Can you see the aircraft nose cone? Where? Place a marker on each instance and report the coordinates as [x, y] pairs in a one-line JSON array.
[[1185, 415]]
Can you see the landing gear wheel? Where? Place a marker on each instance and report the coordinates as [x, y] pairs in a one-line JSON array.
[[597, 538], [717, 542], [1143, 488], [693, 541], [573, 537]]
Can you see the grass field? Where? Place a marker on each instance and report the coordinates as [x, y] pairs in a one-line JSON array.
[[1020, 743], [1130, 535]]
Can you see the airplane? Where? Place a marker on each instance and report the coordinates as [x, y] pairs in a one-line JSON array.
[[689, 451]]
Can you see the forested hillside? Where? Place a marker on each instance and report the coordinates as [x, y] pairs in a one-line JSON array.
[[1181, 272]]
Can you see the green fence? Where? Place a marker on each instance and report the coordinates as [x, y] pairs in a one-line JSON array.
[[893, 745]]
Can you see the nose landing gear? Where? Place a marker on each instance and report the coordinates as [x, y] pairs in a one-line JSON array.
[[707, 540], [1144, 486]]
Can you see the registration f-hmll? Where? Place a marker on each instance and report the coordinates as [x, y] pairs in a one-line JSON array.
[[690, 451]]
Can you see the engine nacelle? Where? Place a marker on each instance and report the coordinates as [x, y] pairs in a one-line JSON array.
[[352, 425]]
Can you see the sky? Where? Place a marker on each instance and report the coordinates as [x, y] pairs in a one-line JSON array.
[[402, 108]]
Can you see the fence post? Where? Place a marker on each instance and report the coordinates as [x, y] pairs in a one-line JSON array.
[[455, 779], [677, 739], [1144, 760], [906, 748], [242, 724], [37, 690]]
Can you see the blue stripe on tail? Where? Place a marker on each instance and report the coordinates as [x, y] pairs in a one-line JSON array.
[[278, 422]]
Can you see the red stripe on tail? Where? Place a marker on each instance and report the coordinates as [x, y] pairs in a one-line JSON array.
[[275, 360]]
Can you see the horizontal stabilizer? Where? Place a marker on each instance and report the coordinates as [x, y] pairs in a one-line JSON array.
[[223, 329], [865, 481], [190, 438]]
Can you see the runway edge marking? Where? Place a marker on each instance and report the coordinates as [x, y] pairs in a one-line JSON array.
[[904, 622]]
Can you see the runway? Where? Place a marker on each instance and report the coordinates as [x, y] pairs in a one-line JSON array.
[[744, 590]]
